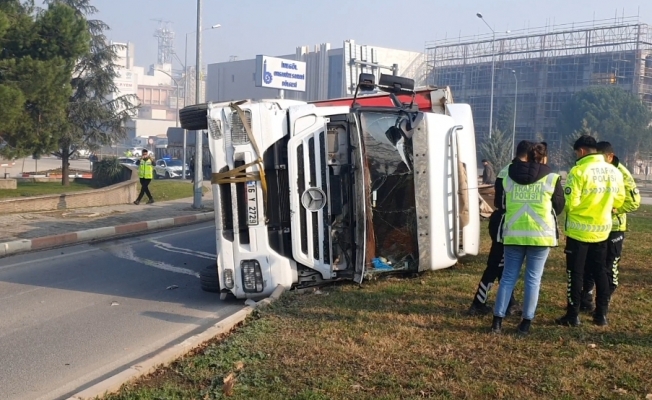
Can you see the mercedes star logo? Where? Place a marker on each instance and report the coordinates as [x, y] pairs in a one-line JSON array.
[[313, 199]]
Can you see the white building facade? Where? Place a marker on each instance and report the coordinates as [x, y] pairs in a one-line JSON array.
[[330, 73]]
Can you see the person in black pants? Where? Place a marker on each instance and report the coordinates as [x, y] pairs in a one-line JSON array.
[[496, 261], [145, 173]]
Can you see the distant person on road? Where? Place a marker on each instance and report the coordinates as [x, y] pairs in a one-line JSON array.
[[192, 169], [496, 261], [128, 153], [533, 197], [593, 189], [618, 228], [145, 173], [488, 174]]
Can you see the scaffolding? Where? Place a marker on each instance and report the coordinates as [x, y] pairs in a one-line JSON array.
[[549, 65]]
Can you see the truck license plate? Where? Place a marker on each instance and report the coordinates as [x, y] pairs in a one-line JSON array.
[[252, 203]]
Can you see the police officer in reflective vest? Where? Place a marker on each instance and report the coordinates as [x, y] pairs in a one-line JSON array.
[[618, 228], [145, 173], [533, 199], [496, 260], [593, 189]]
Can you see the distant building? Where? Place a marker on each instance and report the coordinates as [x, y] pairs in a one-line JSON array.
[[156, 92], [330, 73], [550, 65]]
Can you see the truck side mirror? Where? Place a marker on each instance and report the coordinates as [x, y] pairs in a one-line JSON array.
[[367, 82]]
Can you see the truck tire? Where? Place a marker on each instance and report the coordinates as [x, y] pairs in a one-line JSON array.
[[208, 279], [195, 117]]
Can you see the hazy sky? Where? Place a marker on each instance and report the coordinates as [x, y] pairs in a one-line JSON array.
[[276, 27]]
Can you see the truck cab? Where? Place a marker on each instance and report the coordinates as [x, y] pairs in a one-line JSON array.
[[312, 193]]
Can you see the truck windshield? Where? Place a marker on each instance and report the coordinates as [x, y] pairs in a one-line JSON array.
[[391, 211]]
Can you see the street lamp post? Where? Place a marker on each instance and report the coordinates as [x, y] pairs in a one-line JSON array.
[[514, 128], [493, 70], [199, 173], [185, 92], [176, 82]]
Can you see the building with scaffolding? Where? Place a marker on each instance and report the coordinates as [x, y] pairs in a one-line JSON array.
[[540, 69]]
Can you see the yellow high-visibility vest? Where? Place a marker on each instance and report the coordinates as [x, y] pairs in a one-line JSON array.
[[529, 218], [593, 189]]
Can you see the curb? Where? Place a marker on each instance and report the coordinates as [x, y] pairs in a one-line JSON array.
[[165, 357], [46, 242]]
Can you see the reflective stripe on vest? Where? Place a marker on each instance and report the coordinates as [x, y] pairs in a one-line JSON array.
[[145, 169], [529, 218]]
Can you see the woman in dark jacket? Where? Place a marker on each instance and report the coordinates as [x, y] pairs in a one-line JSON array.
[[533, 198]]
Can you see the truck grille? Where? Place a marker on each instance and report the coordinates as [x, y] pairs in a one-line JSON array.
[[314, 225], [238, 132], [278, 198], [301, 183], [226, 206]]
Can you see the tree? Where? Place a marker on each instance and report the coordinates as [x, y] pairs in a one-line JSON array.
[[498, 150], [567, 154], [505, 118], [95, 118], [40, 48], [617, 115]]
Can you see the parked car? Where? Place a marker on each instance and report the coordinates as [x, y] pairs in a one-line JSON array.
[[136, 151], [128, 161], [170, 168]]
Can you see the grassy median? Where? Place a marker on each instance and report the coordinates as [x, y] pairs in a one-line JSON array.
[[162, 189], [31, 189], [400, 338]]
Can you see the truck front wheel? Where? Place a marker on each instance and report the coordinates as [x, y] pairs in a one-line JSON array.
[[195, 117], [209, 280]]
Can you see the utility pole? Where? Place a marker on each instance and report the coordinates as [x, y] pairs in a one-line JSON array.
[[199, 135]]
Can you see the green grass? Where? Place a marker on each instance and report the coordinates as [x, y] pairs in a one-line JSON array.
[[162, 190], [31, 189], [168, 189], [401, 338]]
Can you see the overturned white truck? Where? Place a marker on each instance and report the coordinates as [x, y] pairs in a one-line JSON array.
[[338, 190]]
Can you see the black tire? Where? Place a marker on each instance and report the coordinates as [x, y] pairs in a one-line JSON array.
[[195, 117], [167, 175], [208, 279]]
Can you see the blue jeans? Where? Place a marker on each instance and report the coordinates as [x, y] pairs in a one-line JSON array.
[[535, 257]]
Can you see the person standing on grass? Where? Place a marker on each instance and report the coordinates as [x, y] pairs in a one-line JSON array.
[[145, 173], [496, 259], [618, 228], [488, 174], [593, 189], [533, 199], [192, 169]]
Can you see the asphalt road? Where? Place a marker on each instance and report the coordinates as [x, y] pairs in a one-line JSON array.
[[73, 316]]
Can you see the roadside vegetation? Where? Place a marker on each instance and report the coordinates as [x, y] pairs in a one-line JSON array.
[[162, 190], [401, 338], [171, 189], [31, 189]]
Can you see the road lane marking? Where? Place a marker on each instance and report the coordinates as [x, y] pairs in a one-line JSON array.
[[181, 250], [75, 253], [127, 253]]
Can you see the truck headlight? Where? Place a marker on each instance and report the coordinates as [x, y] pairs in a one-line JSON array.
[[228, 278], [252, 276]]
